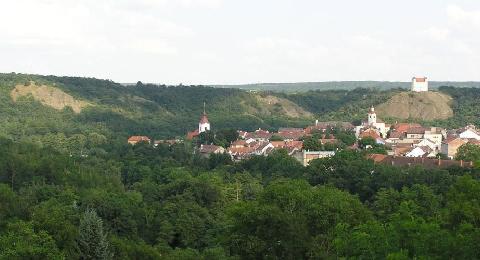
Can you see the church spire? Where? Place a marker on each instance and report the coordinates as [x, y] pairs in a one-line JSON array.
[[204, 110]]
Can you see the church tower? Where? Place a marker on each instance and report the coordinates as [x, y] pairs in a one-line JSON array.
[[372, 116], [203, 125]]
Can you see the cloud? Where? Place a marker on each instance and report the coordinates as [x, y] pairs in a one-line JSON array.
[[437, 33], [460, 16]]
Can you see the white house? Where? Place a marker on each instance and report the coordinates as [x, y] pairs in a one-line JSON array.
[[419, 84], [469, 133], [421, 151]]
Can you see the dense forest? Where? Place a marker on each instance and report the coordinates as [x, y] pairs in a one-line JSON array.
[[140, 202], [71, 188]]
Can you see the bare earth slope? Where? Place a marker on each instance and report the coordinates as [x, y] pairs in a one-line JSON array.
[[422, 105], [48, 96], [276, 105]]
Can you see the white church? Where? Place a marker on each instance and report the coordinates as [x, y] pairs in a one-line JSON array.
[[419, 84], [373, 122]]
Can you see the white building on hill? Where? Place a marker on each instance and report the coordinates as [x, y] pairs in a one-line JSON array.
[[419, 84]]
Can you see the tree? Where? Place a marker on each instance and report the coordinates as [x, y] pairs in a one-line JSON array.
[[469, 152], [20, 241], [92, 241]]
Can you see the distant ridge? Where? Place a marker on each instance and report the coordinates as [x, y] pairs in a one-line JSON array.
[[344, 85]]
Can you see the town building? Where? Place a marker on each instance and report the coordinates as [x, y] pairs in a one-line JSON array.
[[207, 149], [308, 156], [373, 122], [419, 84], [133, 140]]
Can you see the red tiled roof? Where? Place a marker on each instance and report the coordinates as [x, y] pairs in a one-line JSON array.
[[403, 127], [137, 138], [369, 133], [192, 134], [420, 79]]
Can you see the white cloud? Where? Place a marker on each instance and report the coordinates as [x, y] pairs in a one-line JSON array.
[[460, 16], [437, 33]]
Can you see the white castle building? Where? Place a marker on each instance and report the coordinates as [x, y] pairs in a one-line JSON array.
[[419, 84]]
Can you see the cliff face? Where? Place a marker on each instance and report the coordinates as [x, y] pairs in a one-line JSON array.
[[417, 105]]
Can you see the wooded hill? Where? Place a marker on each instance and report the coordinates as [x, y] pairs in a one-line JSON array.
[[47, 108]]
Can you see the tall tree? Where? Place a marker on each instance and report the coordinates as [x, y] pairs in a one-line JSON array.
[[92, 240]]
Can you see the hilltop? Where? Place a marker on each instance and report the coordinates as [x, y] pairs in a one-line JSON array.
[[426, 106]]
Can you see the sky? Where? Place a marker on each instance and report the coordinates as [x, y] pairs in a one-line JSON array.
[[242, 41]]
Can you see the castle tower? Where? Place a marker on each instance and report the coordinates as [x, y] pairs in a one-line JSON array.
[[203, 125], [419, 84], [372, 116]]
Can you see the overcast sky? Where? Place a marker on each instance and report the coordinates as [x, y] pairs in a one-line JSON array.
[[242, 41]]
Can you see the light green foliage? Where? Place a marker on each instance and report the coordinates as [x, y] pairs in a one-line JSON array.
[[92, 240]]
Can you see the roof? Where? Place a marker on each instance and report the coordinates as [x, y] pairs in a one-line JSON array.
[[239, 143], [192, 134], [412, 161], [138, 138], [454, 139], [396, 134], [328, 125], [417, 79], [416, 130], [207, 148], [403, 127], [370, 133], [204, 119]]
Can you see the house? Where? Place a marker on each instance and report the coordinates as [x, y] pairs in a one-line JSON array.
[[206, 149], [450, 146], [469, 132], [133, 140], [428, 163], [415, 133], [435, 134], [291, 134], [419, 84], [308, 156], [403, 127], [421, 151], [372, 133], [259, 135]]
